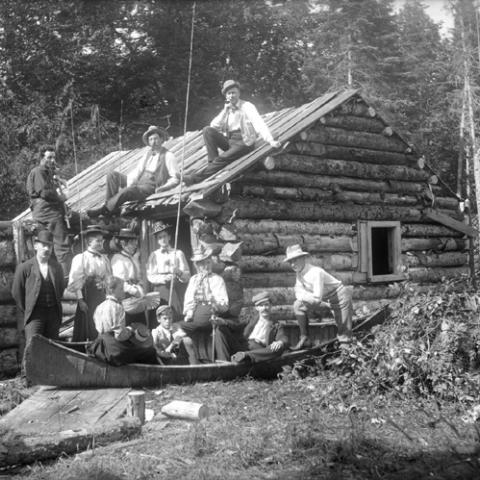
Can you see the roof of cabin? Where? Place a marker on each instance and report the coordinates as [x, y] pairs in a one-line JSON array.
[[87, 189]]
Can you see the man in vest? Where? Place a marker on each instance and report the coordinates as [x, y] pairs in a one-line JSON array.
[[158, 168], [37, 288], [234, 130]]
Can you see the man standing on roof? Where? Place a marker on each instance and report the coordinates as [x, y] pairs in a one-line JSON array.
[[234, 130], [48, 204], [158, 169]]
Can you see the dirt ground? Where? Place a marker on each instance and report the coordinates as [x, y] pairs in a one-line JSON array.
[[298, 429]]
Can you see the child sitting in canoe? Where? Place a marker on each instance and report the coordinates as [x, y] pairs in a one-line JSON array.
[[165, 345], [110, 315]]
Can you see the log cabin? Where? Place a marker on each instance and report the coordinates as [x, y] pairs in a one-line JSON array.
[[346, 186]]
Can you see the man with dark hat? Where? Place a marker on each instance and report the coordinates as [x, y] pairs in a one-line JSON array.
[[234, 130], [265, 337], [37, 288], [157, 168], [88, 274], [166, 265], [313, 286]]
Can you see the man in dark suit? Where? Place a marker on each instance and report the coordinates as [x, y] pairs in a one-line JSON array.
[[266, 338], [37, 288]]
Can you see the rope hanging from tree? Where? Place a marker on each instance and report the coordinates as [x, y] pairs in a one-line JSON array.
[[187, 99]]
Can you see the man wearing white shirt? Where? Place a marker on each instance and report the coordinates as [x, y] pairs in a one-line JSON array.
[[158, 169], [314, 285], [234, 130]]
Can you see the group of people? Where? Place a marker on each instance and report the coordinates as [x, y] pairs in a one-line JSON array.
[[187, 319]]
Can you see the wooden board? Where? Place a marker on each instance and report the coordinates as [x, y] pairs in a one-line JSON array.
[[451, 222], [53, 421]]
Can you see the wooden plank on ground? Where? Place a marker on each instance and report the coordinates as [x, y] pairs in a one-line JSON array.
[[450, 222], [53, 421]]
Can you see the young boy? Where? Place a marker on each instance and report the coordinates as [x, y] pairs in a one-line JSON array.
[[265, 336], [163, 340], [110, 315]]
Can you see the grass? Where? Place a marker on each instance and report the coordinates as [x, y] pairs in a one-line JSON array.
[[296, 429]]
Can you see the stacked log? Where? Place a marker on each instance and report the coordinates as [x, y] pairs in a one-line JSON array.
[[9, 337]]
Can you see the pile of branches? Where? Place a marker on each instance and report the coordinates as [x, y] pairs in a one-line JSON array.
[[430, 345]]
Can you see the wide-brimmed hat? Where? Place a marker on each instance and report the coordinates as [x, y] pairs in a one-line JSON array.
[[261, 297], [231, 252], [162, 309], [228, 84], [126, 233], [153, 129], [44, 236], [134, 305], [141, 334], [159, 227], [94, 230], [201, 254], [294, 251]]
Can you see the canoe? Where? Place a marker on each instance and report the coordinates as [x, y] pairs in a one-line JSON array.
[[50, 363]]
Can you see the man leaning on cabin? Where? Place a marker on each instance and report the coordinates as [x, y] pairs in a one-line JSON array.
[[234, 130], [158, 169], [48, 204], [312, 287], [37, 288]]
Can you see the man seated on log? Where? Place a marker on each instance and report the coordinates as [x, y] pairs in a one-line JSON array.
[[87, 278], [234, 130], [264, 338], [313, 286], [206, 296], [132, 344], [158, 169], [110, 315], [229, 329], [166, 265], [47, 202], [37, 288], [125, 266]]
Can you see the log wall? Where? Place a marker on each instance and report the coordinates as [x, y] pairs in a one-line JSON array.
[[348, 166], [10, 342]]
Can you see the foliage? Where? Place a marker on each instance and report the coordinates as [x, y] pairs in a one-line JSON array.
[[429, 346]]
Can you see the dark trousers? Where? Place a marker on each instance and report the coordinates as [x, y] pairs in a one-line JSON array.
[[45, 321], [83, 324], [233, 148], [257, 352], [118, 193], [228, 341]]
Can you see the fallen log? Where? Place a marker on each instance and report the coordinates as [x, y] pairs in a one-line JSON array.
[[286, 210], [348, 168], [185, 410], [287, 227], [351, 122], [280, 179], [352, 153], [346, 138], [262, 243]]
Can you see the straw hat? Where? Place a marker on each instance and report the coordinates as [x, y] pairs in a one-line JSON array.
[[294, 251], [149, 301], [141, 335], [228, 84], [153, 129], [200, 255], [159, 227], [94, 230], [261, 297], [126, 233]]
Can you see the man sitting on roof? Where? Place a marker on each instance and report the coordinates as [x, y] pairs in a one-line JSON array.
[[157, 169], [234, 130]]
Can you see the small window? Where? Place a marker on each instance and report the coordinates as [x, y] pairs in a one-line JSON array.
[[380, 250]]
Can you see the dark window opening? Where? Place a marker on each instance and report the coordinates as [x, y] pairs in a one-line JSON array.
[[382, 255]]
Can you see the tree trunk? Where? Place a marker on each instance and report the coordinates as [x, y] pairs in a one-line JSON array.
[[348, 168], [345, 138], [351, 153], [287, 210]]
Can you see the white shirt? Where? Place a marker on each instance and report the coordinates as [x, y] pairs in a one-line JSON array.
[[127, 268], [204, 288], [150, 163], [87, 264], [161, 263], [261, 331], [109, 315], [244, 117], [162, 338], [314, 283]]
